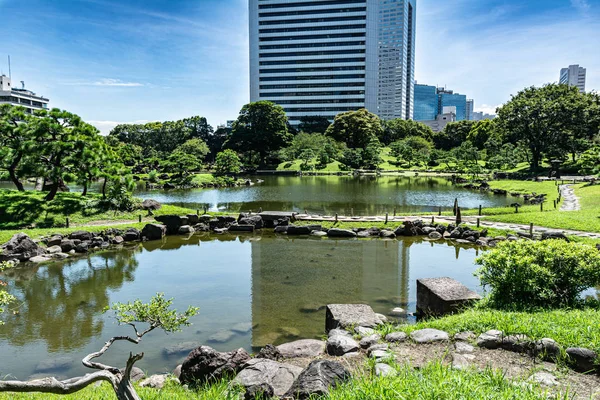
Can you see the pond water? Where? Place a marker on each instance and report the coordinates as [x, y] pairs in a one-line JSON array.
[[251, 290], [365, 195]]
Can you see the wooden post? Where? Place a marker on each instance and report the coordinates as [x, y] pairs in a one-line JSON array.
[[140, 218], [439, 211], [336, 217], [394, 212], [352, 212], [542, 207], [455, 206], [432, 219], [478, 222], [386, 218], [260, 210], [531, 230], [480, 210], [458, 216], [554, 204], [516, 209], [198, 210], [67, 221]]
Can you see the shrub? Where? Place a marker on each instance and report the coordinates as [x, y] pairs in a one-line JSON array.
[[153, 176], [547, 274], [228, 163]]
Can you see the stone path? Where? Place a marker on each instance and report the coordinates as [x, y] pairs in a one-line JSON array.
[[570, 200]]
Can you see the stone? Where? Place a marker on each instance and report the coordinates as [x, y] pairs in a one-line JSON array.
[[40, 259], [177, 371], [346, 315], [60, 256], [241, 228], [263, 391], [364, 331], [463, 347], [67, 245], [516, 343], [340, 332], [382, 318], [136, 374], [547, 348], [131, 235], [206, 364], [555, 236], [383, 370], [317, 379], [465, 336], [544, 378], [269, 352], [429, 336], [180, 348], [154, 382], [193, 219], [583, 360], [281, 229], [82, 247], [154, 231], [222, 336], [397, 312], [54, 241], [296, 230], [396, 337], [459, 361], [242, 327], [20, 247], [151, 205], [440, 296], [341, 233], [338, 345], [172, 223], [81, 235], [185, 230], [255, 220], [368, 341], [490, 340], [380, 355], [117, 240], [302, 348], [200, 227], [377, 347], [385, 234], [260, 371], [55, 364], [318, 233], [435, 236]]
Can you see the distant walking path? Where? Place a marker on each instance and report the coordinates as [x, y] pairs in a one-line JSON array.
[[570, 200]]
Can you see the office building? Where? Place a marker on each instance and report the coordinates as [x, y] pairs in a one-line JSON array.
[[447, 98], [447, 116], [470, 109], [20, 97], [574, 75], [430, 102], [324, 57]]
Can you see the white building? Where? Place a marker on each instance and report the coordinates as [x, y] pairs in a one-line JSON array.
[[470, 110], [574, 75], [439, 123], [20, 97], [323, 57]]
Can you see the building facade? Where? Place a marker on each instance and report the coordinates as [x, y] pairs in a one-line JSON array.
[[470, 109], [431, 101], [324, 57], [20, 97], [447, 98], [574, 75]]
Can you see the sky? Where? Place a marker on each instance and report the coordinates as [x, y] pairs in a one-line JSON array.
[[128, 61]]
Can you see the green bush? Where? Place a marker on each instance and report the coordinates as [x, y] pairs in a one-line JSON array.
[[533, 274]]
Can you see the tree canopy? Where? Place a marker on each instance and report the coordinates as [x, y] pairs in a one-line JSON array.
[[355, 128]]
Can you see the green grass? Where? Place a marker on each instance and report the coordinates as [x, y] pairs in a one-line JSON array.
[[204, 179]]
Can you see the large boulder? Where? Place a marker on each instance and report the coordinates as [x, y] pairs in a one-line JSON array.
[[154, 231], [302, 348], [54, 241], [298, 230], [338, 345], [254, 220], [317, 379], [20, 247], [151, 205], [341, 233], [350, 315], [172, 222], [409, 228], [81, 235], [262, 371], [66, 245], [582, 360], [131, 235], [206, 364]]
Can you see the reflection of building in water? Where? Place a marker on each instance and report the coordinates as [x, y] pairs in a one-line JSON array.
[[293, 280]]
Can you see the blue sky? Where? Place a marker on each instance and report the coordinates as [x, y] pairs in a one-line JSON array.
[[114, 61]]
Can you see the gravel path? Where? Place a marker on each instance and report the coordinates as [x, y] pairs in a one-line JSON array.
[[570, 200]]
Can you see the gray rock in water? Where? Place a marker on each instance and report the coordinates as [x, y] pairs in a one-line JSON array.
[[339, 332], [20, 247], [40, 259], [297, 230], [185, 230], [490, 340], [261, 371], [55, 364], [363, 331], [339, 345], [396, 337], [54, 240], [131, 235], [117, 240], [302, 348], [81, 235], [435, 236], [281, 229], [53, 250], [221, 337], [583, 360], [154, 231], [317, 379], [384, 370], [387, 234], [67, 245], [154, 382], [429, 336], [180, 348], [368, 341], [172, 222], [318, 233], [341, 233], [347, 315], [205, 364]]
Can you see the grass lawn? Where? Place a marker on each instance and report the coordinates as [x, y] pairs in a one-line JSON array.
[[296, 165]]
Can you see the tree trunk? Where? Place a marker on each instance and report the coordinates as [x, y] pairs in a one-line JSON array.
[[125, 390], [13, 174], [53, 190], [85, 188], [104, 188], [535, 160]]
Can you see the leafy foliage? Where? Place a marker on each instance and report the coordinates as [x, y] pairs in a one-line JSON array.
[[313, 124], [228, 163], [398, 129], [547, 274], [5, 298], [355, 128]]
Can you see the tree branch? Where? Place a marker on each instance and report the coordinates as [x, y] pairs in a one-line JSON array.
[[130, 362], [52, 385], [94, 365]]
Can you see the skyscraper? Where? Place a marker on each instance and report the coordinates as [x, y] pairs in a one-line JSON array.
[[323, 57], [430, 102], [574, 75], [470, 109]]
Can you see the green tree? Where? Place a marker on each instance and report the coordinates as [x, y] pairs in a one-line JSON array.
[[412, 149], [352, 158], [15, 140], [453, 135], [315, 142], [481, 132], [228, 163], [398, 129], [313, 124], [198, 128], [372, 155], [262, 128], [355, 128], [307, 156]]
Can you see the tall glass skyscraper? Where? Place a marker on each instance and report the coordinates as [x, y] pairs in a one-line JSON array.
[[430, 102], [447, 98], [323, 57]]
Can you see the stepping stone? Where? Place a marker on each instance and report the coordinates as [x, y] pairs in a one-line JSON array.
[[396, 337], [429, 336], [339, 345], [440, 296], [381, 355], [465, 336], [376, 347], [462, 347], [346, 315], [490, 340], [302, 348], [369, 341]]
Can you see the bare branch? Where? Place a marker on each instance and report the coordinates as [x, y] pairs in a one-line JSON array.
[[130, 362], [52, 385], [87, 361]]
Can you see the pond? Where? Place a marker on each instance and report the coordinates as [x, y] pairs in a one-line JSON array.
[[365, 195], [251, 290]]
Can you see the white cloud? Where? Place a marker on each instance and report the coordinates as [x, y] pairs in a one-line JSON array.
[[581, 5], [106, 126], [116, 82], [487, 109]]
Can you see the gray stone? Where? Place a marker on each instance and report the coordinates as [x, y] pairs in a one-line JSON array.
[[40, 259], [516, 343], [377, 347], [397, 312], [255, 220], [154, 382], [154, 231], [459, 361], [318, 233], [396, 337], [339, 345], [281, 229], [172, 222], [180, 348], [583, 360], [193, 219], [177, 371], [67, 245], [435, 236], [363, 331], [150, 204], [463, 347], [221, 337], [54, 240], [440, 296], [547, 348], [490, 340], [317, 379], [346, 315], [269, 352], [242, 327], [302, 348], [387, 234], [20, 247], [241, 228], [544, 378], [384, 370], [368, 341], [341, 233], [382, 318], [206, 364], [117, 240], [380, 355], [53, 250], [263, 391], [258, 371], [81, 235], [55, 364], [136, 374], [60, 256], [339, 332], [131, 235], [297, 230], [429, 336], [466, 336], [185, 230]]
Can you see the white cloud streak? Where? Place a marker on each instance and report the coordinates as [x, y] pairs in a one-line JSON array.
[[581, 5], [116, 82]]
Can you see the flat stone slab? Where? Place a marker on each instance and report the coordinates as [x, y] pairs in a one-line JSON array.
[[259, 371], [302, 348], [440, 296], [347, 315], [429, 336]]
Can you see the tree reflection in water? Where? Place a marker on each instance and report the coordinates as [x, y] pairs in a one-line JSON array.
[[61, 304]]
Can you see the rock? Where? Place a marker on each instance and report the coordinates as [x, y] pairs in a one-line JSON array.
[[548, 349], [396, 337], [281, 229], [440, 296], [435, 236], [377, 347], [67, 245], [263, 391], [177, 371], [20, 247], [82, 247], [150, 204], [459, 361], [131, 235], [206, 364], [185, 230], [554, 235], [296, 230], [302, 348], [193, 219], [462, 347], [154, 382], [317, 379], [465, 336], [368, 341], [221, 337], [117, 240], [583, 360], [429, 336], [54, 241], [397, 312], [55, 365], [340, 233], [180, 348], [516, 343], [382, 318], [81, 235], [255, 220], [241, 228], [242, 327], [384, 370], [385, 234], [339, 332], [408, 229], [544, 378], [339, 345], [363, 331], [40, 259], [380, 355], [154, 231], [269, 352], [318, 233], [261, 371], [136, 374], [346, 315], [172, 222], [490, 340], [60, 256], [200, 227]]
